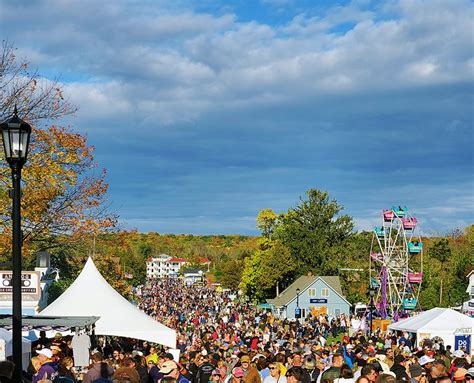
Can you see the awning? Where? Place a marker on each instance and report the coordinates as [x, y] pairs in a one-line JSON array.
[[50, 322]]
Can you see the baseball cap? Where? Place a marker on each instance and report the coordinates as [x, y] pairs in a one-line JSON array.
[[458, 354], [168, 366], [470, 372], [245, 359], [238, 372], [46, 352], [425, 359], [415, 370]]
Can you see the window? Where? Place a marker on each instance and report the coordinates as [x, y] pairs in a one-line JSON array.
[[325, 292], [312, 292]]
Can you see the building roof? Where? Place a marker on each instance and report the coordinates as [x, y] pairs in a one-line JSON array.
[[177, 260], [303, 283]]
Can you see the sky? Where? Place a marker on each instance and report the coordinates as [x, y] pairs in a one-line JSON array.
[[205, 112]]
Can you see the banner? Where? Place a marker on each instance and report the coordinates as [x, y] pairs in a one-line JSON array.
[[30, 285]]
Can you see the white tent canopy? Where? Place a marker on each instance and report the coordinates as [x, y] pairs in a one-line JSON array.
[[7, 337], [91, 295], [442, 322]]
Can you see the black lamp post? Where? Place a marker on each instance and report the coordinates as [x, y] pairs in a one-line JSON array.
[[372, 292], [298, 312], [16, 139]]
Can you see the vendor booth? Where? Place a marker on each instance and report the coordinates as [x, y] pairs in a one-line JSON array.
[[452, 327], [6, 345], [90, 295]]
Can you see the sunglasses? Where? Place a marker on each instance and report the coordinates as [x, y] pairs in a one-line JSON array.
[[215, 375], [273, 368]]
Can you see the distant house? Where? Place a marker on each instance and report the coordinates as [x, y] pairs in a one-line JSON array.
[[167, 266], [312, 294], [193, 275], [468, 306]]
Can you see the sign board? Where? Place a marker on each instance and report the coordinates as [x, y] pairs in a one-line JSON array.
[[30, 285], [462, 342], [463, 330], [298, 313], [318, 300]]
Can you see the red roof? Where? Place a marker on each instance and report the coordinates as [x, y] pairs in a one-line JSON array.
[[179, 260], [204, 260]]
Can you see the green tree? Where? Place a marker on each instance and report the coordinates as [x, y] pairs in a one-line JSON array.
[[266, 269], [312, 229], [232, 274], [441, 250]]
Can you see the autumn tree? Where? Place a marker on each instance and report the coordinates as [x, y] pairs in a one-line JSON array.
[[63, 190]]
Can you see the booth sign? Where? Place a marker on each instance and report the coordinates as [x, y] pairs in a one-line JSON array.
[[462, 342], [30, 286]]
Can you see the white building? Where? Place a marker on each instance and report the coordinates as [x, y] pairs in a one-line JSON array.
[[468, 307], [167, 266], [163, 266]]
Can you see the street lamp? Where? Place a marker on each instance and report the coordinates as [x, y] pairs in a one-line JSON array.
[[16, 139], [372, 292]]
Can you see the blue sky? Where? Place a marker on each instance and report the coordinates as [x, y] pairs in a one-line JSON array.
[[205, 112]]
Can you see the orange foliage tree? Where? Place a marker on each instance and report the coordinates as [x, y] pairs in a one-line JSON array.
[[63, 190]]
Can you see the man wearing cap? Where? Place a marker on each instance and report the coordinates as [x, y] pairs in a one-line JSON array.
[[171, 369], [399, 368], [236, 376], [427, 363], [251, 374], [417, 375], [48, 369], [469, 376]]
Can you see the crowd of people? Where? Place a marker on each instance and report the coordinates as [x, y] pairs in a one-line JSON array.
[[222, 339]]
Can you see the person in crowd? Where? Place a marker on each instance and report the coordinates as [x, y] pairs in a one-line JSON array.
[[66, 370], [275, 374], [216, 376], [98, 370], [170, 368], [140, 365], [127, 371], [346, 375], [295, 375], [399, 368], [251, 374], [48, 369]]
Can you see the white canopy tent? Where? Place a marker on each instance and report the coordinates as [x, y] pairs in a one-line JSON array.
[[91, 295], [442, 322], [6, 342]]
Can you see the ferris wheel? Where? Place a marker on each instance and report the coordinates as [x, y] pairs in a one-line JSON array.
[[396, 263]]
